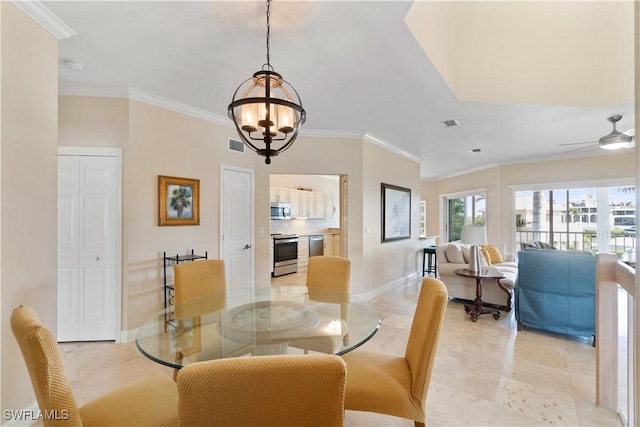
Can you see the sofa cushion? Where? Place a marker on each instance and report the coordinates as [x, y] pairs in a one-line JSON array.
[[494, 254], [454, 254]]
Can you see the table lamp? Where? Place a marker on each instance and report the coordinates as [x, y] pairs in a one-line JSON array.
[[474, 235]]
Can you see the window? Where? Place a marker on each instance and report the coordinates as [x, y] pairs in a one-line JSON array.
[[461, 211], [595, 219], [423, 219]]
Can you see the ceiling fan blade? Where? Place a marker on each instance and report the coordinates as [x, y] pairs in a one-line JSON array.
[[577, 143], [594, 144]]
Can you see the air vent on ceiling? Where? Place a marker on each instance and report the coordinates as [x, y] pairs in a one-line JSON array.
[[450, 123], [236, 145]]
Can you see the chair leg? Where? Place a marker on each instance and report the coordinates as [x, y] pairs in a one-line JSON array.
[[418, 424], [179, 357], [519, 326]]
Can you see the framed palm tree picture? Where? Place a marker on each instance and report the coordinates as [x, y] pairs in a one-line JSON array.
[[178, 201]]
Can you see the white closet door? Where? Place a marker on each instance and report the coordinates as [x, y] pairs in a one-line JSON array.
[[87, 213]]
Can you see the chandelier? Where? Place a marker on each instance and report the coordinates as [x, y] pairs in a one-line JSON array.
[[266, 116]]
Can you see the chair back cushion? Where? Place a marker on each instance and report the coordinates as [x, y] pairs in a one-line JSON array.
[[281, 390], [40, 352], [425, 332], [194, 280], [329, 272]]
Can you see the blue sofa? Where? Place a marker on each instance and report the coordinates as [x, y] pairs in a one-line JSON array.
[[556, 291]]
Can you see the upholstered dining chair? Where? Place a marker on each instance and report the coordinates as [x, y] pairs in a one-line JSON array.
[[276, 390], [397, 385], [149, 401], [332, 274], [199, 288]]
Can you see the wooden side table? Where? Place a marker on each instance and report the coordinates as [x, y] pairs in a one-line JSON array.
[[478, 308]]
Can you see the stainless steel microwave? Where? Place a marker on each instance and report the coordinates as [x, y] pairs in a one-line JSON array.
[[280, 210]]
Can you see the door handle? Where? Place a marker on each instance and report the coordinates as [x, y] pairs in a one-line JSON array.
[[247, 247]]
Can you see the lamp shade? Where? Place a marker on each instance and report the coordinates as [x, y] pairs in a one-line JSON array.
[[474, 235]]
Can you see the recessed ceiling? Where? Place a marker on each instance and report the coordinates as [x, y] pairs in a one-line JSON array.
[[551, 53]]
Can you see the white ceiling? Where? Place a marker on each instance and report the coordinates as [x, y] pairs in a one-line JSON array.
[[359, 68]]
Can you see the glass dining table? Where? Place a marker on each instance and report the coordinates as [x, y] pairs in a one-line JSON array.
[[257, 321]]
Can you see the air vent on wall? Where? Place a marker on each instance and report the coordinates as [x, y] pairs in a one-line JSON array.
[[450, 123], [236, 145]]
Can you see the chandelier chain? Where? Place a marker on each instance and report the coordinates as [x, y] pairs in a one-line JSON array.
[[268, 33]]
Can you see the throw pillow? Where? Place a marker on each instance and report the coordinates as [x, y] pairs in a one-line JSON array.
[[486, 256], [494, 254], [485, 260], [454, 254], [466, 249]]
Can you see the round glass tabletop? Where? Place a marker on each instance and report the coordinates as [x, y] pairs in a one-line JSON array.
[[257, 321]]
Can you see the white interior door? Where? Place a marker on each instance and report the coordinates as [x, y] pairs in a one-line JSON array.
[[237, 218], [87, 235]]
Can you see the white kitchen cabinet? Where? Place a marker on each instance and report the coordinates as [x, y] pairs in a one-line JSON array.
[[277, 194], [303, 252], [318, 210], [328, 206], [328, 245], [301, 203]]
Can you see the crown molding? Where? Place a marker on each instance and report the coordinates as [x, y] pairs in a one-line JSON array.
[[384, 144], [178, 107], [147, 98], [43, 16], [320, 133]]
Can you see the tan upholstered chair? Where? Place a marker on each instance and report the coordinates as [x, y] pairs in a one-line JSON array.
[[149, 401], [199, 289], [197, 279], [281, 390], [331, 273], [393, 385]]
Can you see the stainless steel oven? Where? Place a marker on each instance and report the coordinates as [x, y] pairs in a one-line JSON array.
[[285, 254]]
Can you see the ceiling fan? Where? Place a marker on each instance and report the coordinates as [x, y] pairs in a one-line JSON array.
[[613, 141]]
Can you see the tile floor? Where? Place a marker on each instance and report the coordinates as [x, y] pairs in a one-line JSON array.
[[486, 373]]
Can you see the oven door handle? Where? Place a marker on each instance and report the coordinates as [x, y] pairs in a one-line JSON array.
[[282, 241]]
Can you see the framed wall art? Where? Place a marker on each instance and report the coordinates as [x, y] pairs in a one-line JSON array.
[[396, 213], [178, 201]]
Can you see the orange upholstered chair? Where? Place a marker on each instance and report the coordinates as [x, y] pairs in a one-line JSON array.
[[149, 401], [397, 385], [281, 390]]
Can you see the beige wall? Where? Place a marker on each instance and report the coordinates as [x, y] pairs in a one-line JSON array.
[[498, 179], [28, 189], [390, 261]]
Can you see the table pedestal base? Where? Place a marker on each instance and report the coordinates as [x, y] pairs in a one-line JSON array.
[[476, 309]]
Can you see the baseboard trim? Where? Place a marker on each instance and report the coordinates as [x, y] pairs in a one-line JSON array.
[[128, 336], [388, 287]]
